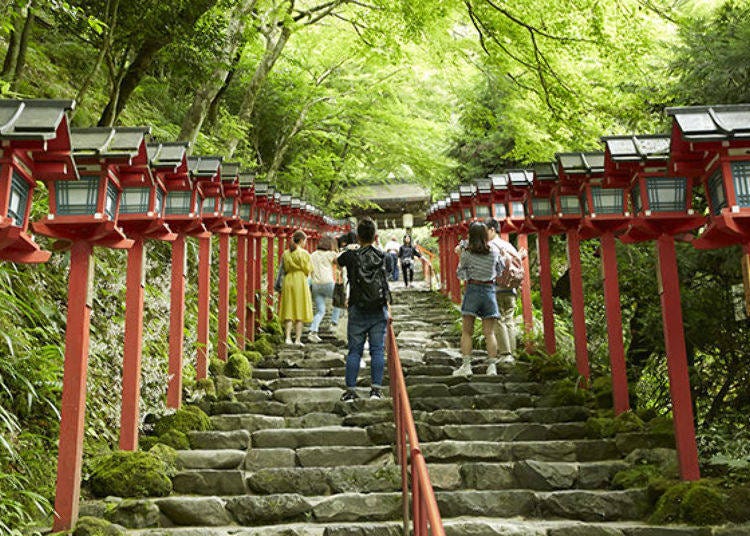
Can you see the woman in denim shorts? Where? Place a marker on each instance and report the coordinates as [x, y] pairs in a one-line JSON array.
[[478, 267]]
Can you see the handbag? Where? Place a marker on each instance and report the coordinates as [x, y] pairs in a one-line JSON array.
[[339, 295], [279, 278]]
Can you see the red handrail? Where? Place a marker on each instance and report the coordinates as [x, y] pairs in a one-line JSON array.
[[424, 505], [426, 264]]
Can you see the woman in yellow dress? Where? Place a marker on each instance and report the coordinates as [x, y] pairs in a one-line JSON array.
[[296, 300]]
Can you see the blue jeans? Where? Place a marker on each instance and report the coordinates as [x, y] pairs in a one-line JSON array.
[[394, 261], [321, 293], [364, 325]]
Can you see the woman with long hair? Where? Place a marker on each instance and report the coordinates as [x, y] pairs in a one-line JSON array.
[[321, 284], [478, 267], [406, 253], [296, 301]]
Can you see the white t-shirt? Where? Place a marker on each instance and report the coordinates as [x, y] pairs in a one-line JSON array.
[[322, 266], [392, 245], [501, 245]]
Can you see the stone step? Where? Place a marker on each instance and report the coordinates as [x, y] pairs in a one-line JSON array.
[[494, 401], [426, 390], [381, 474], [309, 437], [462, 526], [580, 450], [253, 510]]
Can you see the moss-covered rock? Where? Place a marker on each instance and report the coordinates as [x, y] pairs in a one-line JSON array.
[[183, 420], [206, 386], [601, 389], [94, 526], [147, 442], [238, 367], [661, 425], [635, 477], [216, 366], [175, 439], [224, 388], [699, 503], [628, 421], [565, 393], [167, 455], [739, 504], [130, 474], [254, 357], [657, 487], [550, 367], [264, 346], [600, 427]]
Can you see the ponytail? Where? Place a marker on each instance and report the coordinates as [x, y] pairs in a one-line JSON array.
[[297, 238]]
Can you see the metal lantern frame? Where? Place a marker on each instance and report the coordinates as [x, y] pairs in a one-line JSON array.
[[207, 170], [520, 182], [500, 199], [466, 193], [230, 182], [184, 194], [34, 143]]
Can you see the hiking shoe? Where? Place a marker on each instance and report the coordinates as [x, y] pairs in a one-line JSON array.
[[299, 343], [507, 358], [289, 342], [375, 394], [491, 370], [313, 337], [362, 363], [463, 370], [349, 396]]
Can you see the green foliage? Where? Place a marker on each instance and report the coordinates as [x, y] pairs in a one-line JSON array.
[[216, 366], [699, 503], [238, 367], [606, 426], [130, 474], [550, 367], [635, 477], [253, 357], [183, 420], [264, 346], [224, 388], [565, 393], [206, 386], [175, 439]]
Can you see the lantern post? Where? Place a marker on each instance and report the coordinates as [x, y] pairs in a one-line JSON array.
[[456, 228], [207, 171], [519, 183], [141, 218], [84, 213], [274, 220], [539, 214], [606, 214], [182, 212], [34, 141], [711, 145], [568, 214], [245, 253], [230, 225]]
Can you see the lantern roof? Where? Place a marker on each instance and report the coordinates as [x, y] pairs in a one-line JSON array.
[[246, 179], [35, 119], [205, 167], [110, 142], [467, 190], [580, 163], [261, 188], [499, 181], [230, 171], [713, 123], [520, 178], [285, 200], [296, 203], [484, 185], [545, 171], [637, 148], [168, 155]]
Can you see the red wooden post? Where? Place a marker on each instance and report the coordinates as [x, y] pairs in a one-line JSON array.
[[258, 280], [270, 279], [74, 388], [204, 304], [223, 316], [674, 343], [505, 236], [176, 323], [528, 316], [443, 265], [576, 298], [545, 287], [614, 324], [242, 241], [131, 364], [282, 246], [251, 288]]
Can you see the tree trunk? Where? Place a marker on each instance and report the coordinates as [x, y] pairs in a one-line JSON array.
[[271, 55], [23, 47], [20, 15], [213, 109]]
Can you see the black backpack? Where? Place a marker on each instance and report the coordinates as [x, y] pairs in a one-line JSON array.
[[370, 280]]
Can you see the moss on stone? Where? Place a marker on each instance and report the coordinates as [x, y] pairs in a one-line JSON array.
[[175, 439], [254, 357], [216, 366], [565, 393], [94, 526], [600, 427], [635, 477], [130, 474], [601, 389], [628, 421], [206, 386], [549, 367], [168, 456], [183, 420], [661, 425], [224, 388], [145, 443], [657, 487], [238, 367], [699, 503], [264, 346], [739, 504]]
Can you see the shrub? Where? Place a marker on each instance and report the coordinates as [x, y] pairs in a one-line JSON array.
[[264, 346], [216, 366], [628, 422], [130, 474], [254, 357], [550, 367], [661, 425], [146, 443], [739, 498], [238, 367], [601, 388], [175, 439], [600, 427], [206, 385], [183, 420]]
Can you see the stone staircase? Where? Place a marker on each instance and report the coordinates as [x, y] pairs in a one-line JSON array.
[[291, 459]]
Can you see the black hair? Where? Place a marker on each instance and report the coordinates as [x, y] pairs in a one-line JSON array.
[[346, 239], [366, 230], [297, 238], [478, 239], [493, 224], [411, 243]]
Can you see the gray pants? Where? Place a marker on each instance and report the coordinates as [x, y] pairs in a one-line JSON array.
[[505, 332]]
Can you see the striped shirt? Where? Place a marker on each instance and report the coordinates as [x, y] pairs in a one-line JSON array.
[[479, 267]]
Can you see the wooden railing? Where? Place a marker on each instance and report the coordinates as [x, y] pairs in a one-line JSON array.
[[424, 507], [426, 258]]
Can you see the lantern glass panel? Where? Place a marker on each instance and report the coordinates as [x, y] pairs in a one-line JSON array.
[[135, 200], [482, 211], [467, 213], [178, 202], [570, 205], [452, 219], [19, 198], [716, 192], [607, 200], [159, 204], [228, 205], [635, 199], [500, 210], [272, 218], [209, 205], [110, 205], [283, 219], [77, 197], [517, 210], [262, 216], [666, 194], [541, 207], [245, 210], [741, 177]]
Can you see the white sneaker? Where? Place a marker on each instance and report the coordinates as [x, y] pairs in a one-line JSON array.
[[491, 370], [288, 341], [298, 343], [313, 337], [362, 363], [463, 370], [507, 358]]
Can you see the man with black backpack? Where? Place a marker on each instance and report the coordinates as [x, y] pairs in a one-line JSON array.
[[369, 298]]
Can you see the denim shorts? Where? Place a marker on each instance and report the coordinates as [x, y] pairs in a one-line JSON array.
[[480, 301]]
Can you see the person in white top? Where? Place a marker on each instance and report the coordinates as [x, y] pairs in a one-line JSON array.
[[391, 249], [321, 284]]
